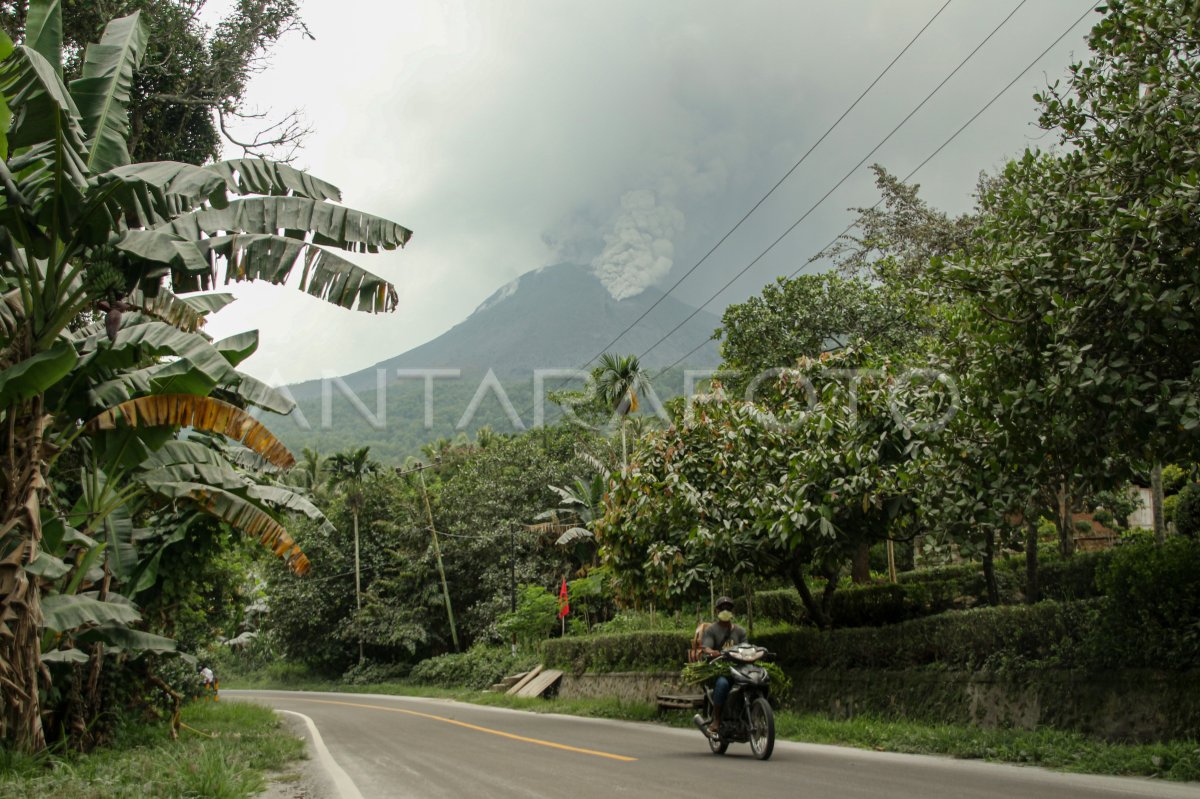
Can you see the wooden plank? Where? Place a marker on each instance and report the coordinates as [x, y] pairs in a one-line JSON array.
[[541, 683], [680, 700], [535, 671]]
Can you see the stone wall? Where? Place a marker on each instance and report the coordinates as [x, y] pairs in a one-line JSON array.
[[629, 686], [1125, 705]]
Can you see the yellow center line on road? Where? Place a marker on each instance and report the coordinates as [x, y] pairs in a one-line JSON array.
[[475, 727]]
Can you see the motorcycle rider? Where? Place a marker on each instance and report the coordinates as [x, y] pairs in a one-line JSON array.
[[719, 636]]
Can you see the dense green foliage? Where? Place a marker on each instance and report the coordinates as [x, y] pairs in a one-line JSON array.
[[1145, 613], [102, 367], [484, 499], [1187, 511], [479, 667], [195, 76]]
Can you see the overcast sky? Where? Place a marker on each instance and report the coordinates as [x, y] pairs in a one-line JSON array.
[[626, 135]]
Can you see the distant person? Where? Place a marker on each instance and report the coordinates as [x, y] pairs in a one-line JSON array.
[[717, 638], [210, 681]]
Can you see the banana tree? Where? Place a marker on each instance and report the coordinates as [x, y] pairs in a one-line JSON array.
[[82, 229]]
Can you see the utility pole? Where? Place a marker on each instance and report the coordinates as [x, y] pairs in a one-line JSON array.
[[437, 551], [512, 579], [357, 584]]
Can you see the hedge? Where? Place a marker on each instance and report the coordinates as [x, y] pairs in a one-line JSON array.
[[479, 667], [642, 650], [1149, 617], [934, 591], [988, 637]]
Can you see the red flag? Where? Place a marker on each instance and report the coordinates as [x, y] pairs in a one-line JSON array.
[[564, 607]]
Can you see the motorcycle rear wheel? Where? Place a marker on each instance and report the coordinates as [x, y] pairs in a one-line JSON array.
[[762, 728]]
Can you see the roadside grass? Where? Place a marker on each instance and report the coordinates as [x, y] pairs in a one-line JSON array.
[[1054, 749], [221, 754]]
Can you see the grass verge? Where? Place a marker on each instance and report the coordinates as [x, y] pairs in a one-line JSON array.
[[1054, 749], [221, 754]]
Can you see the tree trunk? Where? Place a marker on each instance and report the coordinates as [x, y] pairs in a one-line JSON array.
[[1066, 527], [815, 610], [860, 564], [22, 482], [1156, 504], [1031, 559], [989, 568]]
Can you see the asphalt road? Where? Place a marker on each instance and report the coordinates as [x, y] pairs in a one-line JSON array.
[[382, 746]]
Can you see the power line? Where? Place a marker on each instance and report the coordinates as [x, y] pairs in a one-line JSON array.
[[905, 179], [844, 178], [778, 183], [764, 198]]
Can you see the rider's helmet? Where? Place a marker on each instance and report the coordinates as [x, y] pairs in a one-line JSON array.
[[724, 603]]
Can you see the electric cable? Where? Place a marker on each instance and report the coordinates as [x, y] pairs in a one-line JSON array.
[[905, 179], [838, 185], [778, 183]]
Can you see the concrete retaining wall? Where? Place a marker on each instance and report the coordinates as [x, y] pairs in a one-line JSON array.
[[1126, 705], [635, 686]]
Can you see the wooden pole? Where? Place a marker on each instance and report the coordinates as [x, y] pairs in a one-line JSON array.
[[357, 584]]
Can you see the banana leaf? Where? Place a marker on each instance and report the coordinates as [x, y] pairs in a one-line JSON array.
[[45, 140], [63, 613], [44, 30], [34, 375], [254, 392], [65, 656], [239, 347], [258, 176], [276, 259], [208, 303], [102, 92], [332, 225], [241, 514], [118, 638], [167, 307], [202, 413]]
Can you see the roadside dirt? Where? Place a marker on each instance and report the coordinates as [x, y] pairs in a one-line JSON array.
[[301, 779]]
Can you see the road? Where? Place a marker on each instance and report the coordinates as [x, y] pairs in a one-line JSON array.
[[381, 746]]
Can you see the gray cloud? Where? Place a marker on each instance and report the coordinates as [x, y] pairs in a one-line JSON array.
[[510, 135]]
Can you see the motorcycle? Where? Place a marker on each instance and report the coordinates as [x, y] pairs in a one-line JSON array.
[[747, 716]]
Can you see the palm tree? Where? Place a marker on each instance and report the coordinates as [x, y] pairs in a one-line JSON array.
[[311, 467], [620, 379], [348, 470]]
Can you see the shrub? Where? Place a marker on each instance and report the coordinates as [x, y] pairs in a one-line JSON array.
[[1074, 577], [780, 605], [635, 651], [1187, 512], [1152, 616], [478, 667], [1174, 478], [370, 673], [628, 621], [1170, 504], [536, 615]]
